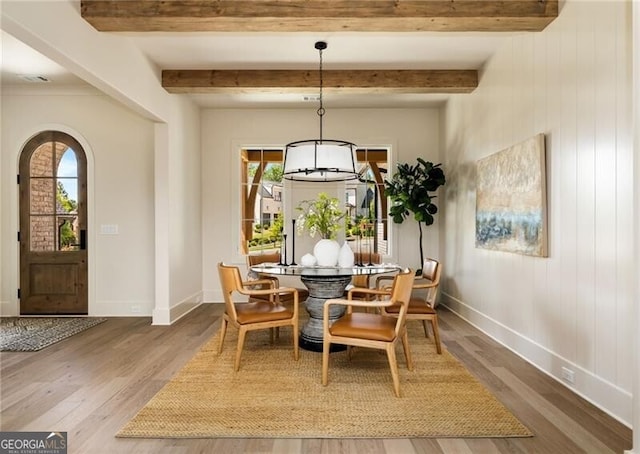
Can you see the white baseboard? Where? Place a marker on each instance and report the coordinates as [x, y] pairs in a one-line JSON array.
[[119, 308], [164, 316], [131, 308], [103, 308], [605, 395]]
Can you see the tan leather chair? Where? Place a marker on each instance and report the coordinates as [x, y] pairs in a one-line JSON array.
[[363, 280], [422, 307], [259, 314], [379, 331], [274, 257]]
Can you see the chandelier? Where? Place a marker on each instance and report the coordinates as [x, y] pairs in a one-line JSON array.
[[320, 159]]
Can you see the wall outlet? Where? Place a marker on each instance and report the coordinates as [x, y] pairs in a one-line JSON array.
[[568, 375], [136, 309]]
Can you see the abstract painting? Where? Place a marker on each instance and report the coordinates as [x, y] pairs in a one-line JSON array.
[[511, 212]]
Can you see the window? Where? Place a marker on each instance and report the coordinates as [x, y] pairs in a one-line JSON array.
[[367, 226]]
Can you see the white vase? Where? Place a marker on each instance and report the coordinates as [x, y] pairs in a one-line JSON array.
[[327, 252], [346, 258]]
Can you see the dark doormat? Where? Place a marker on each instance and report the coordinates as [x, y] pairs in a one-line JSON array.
[[30, 334]]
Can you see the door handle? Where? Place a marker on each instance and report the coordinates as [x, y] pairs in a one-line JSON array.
[[83, 240]]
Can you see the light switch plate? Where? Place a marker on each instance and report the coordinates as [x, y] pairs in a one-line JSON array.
[[109, 229]]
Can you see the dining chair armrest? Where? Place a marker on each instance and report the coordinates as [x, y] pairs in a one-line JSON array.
[[263, 281], [277, 292], [345, 302], [366, 291], [339, 302], [268, 291], [352, 303], [275, 280], [296, 297], [423, 286], [360, 303], [383, 278]]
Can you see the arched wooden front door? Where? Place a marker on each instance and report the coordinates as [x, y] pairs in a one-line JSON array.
[[53, 226]]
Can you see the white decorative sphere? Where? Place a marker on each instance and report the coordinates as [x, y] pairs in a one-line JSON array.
[[308, 260]]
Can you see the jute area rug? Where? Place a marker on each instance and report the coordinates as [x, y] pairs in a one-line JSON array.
[[272, 396], [30, 334]]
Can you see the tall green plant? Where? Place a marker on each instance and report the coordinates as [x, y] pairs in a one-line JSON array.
[[411, 190]]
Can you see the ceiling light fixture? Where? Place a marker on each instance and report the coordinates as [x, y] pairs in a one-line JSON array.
[[320, 159]]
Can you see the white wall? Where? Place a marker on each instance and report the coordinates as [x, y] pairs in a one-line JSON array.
[[109, 63], [119, 145], [410, 133], [572, 309], [185, 223], [636, 146]]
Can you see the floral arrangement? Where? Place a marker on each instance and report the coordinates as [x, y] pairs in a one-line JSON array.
[[320, 216]]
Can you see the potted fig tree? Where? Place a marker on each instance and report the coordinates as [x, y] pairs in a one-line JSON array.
[[412, 190]]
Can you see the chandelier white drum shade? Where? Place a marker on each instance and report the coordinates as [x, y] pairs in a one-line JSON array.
[[320, 159]]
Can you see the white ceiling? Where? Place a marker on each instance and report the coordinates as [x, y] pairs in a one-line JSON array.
[[19, 60], [425, 50]]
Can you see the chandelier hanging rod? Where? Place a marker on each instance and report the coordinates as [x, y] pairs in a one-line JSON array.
[[320, 159]]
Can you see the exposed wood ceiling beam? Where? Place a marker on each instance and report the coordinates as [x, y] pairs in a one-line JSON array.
[[318, 15], [282, 81]]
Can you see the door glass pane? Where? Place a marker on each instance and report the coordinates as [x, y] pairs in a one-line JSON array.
[[67, 233], [67, 195], [67, 183], [68, 164], [42, 196], [41, 164], [43, 234]]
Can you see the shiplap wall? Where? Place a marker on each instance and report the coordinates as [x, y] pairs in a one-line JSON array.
[[573, 309]]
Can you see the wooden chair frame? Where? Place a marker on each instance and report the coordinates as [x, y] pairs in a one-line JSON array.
[[272, 257], [232, 283], [400, 294], [429, 281]]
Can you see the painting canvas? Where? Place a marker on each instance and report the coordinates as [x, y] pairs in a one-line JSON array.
[[511, 212]]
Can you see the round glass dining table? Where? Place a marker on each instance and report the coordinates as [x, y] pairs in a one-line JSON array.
[[323, 283]]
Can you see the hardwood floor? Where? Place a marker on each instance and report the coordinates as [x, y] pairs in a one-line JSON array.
[[91, 384]]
